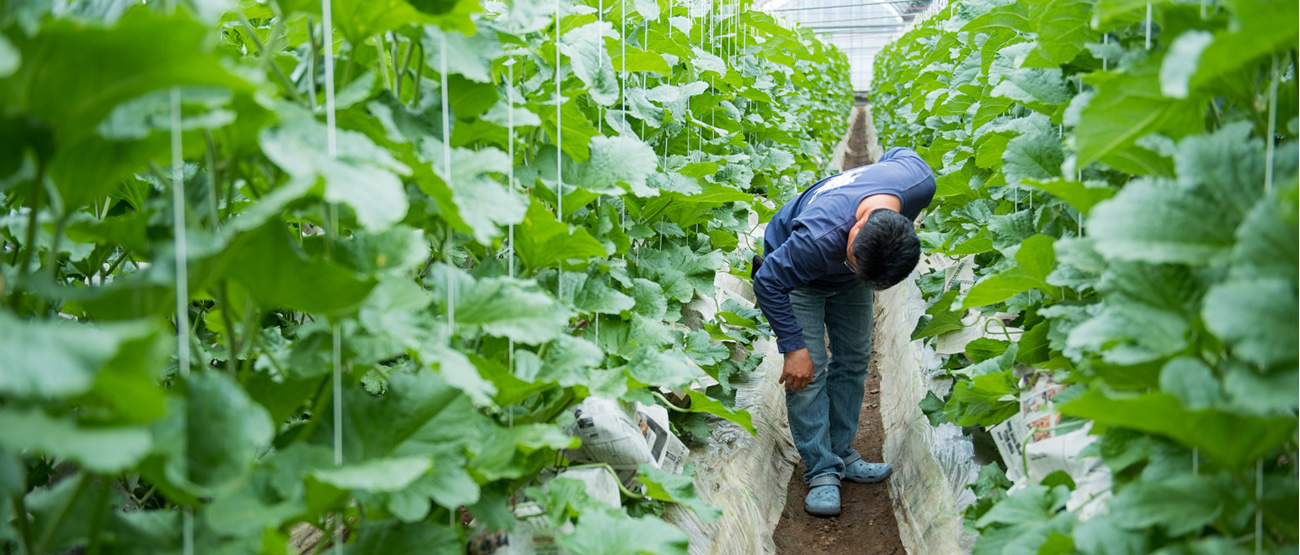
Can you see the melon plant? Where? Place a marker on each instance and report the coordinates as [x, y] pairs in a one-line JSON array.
[[393, 252], [1123, 177]]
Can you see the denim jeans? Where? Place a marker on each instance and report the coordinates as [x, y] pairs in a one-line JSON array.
[[824, 415]]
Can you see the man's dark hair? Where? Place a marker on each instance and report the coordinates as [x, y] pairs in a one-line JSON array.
[[886, 249]]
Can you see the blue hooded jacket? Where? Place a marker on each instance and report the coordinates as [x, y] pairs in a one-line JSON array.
[[805, 243]]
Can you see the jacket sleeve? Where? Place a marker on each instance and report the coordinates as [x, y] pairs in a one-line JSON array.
[[794, 264]]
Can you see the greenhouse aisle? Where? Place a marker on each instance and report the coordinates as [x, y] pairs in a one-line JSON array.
[[866, 524]]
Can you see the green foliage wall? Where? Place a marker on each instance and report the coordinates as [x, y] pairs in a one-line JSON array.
[[1124, 175], [463, 312]]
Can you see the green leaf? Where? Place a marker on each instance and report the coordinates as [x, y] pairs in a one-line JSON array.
[[578, 130], [676, 488], [74, 73], [985, 400], [361, 19], [600, 533], [224, 429], [932, 408], [1035, 503], [592, 294], [1257, 319], [1266, 245], [703, 403], [1229, 439], [375, 474], [1037, 156], [1034, 261], [544, 241], [501, 306], [614, 161], [681, 272], [10, 58], [585, 47], [1191, 381], [1146, 314], [470, 56], [1080, 196], [1102, 534], [58, 358], [481, 202], [991, 477], [1182, 504], [400, 537], [1128, 106], [98, 449], [1254, 34], [666, 369], [260, 260], [1033, 345], [1157, 221]]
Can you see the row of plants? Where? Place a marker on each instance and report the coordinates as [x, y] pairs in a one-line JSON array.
[[1123, 175], [411, 243]]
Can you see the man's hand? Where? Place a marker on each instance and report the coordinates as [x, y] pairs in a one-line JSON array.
[[798, 370]]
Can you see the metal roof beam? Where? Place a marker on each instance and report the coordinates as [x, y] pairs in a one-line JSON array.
[[881, 3]]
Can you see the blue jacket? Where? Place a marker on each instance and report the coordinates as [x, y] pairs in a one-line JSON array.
[[805, 242]]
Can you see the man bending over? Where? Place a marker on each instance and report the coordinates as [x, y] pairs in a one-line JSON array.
[[823, 254]]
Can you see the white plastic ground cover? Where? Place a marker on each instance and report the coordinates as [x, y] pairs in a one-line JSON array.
[[932, 466], [744, 475]]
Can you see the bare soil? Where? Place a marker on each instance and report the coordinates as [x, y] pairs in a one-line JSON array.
[[866, 524]]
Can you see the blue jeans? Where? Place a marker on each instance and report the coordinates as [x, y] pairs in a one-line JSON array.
[[824, 415]]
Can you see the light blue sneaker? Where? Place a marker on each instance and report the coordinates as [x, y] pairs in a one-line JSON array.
[[863, 472], [824, 496]]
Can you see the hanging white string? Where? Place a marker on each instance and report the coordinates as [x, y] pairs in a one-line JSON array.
[[510, 185], [645, 75], [331, 150], [1105, 39], [446, 167], [311, 65], [622, 70], [600, 62], [559, 150], [1272, 128], [182, 282], [1259, 510], [1148, 39]]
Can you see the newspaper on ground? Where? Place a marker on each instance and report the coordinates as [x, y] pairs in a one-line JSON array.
[[601, 484], [625, 439], [1033, 445]]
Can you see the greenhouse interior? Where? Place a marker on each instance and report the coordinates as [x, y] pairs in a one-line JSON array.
[[649, 276]]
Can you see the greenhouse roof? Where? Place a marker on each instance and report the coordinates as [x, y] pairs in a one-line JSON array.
[[858, 27]]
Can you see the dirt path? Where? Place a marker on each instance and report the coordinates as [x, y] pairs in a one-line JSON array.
[[866, 524]]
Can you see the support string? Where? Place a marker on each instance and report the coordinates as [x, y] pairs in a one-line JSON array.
[[446, 167]]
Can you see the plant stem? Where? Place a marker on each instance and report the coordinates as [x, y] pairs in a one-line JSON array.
[[323, 396], [406, 65], [266, 59], [20, 518], [29, 244], [214, 211], [97, 520], [233, 342], [419, 75]]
